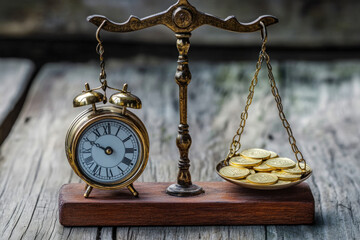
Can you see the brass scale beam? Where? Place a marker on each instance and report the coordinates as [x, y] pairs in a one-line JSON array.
[[182, 18]]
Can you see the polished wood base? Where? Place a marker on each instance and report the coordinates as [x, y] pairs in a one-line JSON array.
[[222, 204]]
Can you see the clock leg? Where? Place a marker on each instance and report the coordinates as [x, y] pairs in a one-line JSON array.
[[88, 191], [86, 186], [133, 191]]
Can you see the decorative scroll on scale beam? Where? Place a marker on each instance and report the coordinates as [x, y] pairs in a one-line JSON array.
[[182, 18]]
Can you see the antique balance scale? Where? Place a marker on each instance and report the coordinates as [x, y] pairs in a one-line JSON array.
[[108, 148]]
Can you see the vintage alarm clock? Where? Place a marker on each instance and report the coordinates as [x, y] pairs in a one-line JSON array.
[[107, 146]]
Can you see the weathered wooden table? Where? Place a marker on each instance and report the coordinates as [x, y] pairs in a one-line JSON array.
[[322, 102]]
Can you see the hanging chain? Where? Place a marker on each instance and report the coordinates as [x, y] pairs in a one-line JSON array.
[[235, 144], [102, 78], [298, 155], [100, 50]]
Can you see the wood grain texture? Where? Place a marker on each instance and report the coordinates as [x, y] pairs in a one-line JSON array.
[[222, 204], [15, 78], [321, 101]]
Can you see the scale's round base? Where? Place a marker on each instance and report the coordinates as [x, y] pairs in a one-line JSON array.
[[180, 191], [255, 186]]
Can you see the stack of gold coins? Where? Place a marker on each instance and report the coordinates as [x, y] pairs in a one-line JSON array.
[[262, 167]]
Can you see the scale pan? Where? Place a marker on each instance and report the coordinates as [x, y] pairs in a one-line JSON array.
[[223, 163], [125, 99], [87, 98]]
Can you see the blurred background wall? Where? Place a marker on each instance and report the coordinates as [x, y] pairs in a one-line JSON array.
[[57, 30]]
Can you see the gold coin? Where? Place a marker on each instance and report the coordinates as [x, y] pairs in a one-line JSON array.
[[286, 176], [263, 168], [234, 172], [256, 153], [242, 180], [280, 163], [297, 170], [244, 162], [282, 182], [262, 178], [233, 163], [252, 171], [273, 154]]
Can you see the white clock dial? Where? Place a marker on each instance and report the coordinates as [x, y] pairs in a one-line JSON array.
[[108, 151]]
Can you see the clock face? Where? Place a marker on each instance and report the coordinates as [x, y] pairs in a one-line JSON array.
[[108, 151]]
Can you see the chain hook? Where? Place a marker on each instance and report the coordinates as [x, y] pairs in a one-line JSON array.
[[99, 47], [98, 32], [100, 50], [263, 31]]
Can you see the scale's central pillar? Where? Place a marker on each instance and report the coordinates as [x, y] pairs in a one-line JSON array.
[[183, 187]]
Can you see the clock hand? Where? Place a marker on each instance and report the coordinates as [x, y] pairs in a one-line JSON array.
[[96, 144], [108, 150]]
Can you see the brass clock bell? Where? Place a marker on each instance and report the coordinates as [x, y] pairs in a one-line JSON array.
[[88, 97], [125, 99], [107, 146]]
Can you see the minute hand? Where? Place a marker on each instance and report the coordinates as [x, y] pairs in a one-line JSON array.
[[96, 144]]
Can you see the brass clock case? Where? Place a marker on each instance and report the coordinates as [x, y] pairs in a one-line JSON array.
[[88, 117]]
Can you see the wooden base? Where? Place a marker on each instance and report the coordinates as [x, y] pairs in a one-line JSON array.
[[222, 204]]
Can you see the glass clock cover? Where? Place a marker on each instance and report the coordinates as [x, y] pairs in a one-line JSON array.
[[108, 151]]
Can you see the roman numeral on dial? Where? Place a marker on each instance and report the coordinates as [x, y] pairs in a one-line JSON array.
[[97, 170], [96, 132], [120, 169], [126, 161], [129, 150], [109, 172], [127, 138], [89, 160], [86, 150], [107, 129], [117, 131]]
